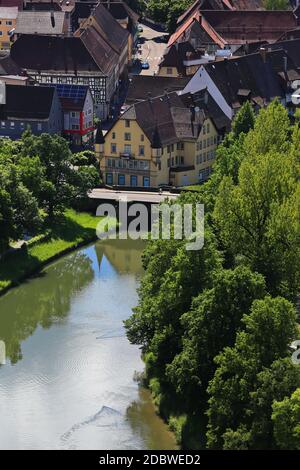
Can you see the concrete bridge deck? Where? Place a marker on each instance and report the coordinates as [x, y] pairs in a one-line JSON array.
[[131, 196]]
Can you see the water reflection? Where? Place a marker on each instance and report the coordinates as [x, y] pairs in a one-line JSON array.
[[42, 302], [69, 382]]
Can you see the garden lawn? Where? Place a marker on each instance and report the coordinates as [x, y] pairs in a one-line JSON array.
[[68, 232]]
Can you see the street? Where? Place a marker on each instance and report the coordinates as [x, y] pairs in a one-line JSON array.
[[152, 48]]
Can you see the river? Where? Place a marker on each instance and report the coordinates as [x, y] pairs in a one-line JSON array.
[[69, 378]]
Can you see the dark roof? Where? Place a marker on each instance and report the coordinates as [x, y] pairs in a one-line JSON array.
[[291, 34], [142, 85], [169, 118], [82, 10], [205, 101], [120, 9], [12, 3], [27, 102], [111, 31], [292, 48], [167, 114], [254, 76], [72, 97], [175, 55], [64, 5], [37, 6], [9, 67], [86, 53]]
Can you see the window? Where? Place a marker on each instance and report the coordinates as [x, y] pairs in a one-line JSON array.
[[127, 123], [180, 146], [121, 180], [113, 148], [142, 137], [127, 136], [12, 125], [113, 135], [208, 127], [146, 181], [8, 23], [3, 124], [39, 126], [169, 71], [73, 114], [133, 180], [75, 127], [127, 148], [204, 129], [141, 150], [109, 178]]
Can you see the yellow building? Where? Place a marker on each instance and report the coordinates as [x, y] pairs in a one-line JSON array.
[[169, 140], [8, 21]]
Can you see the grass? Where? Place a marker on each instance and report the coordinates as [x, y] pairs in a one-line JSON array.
[[196, 187], [66, 233]]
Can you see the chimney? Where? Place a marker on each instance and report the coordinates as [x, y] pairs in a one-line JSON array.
[[263, 53], [2, 93]]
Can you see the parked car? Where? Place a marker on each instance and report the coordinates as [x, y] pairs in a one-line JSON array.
[[145, 65], [123, 109], [140, 28]]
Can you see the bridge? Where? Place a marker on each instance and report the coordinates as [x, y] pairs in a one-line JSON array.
[[131, 196]]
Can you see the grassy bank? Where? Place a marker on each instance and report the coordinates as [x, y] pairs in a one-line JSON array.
[[66, 233]]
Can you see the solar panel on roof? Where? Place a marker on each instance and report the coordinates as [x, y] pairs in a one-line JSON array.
[[75, 92]]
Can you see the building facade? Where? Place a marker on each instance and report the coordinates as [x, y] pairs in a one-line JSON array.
[[160, 142], [78, 113], [22, 107], [8, 20]]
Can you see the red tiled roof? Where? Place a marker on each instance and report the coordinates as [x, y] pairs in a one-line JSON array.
[[232, 26], [206, 26]]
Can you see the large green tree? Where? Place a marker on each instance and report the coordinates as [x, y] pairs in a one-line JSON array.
[[209, 326], [262, 210], [269, 329], [286, 418]]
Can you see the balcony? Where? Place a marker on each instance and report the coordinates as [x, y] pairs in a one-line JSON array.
[[127, 155]]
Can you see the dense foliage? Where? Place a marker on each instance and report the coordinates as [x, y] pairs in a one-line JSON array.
[[39, 178], [216, 325]]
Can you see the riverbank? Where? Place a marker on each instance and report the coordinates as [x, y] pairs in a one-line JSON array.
[[68, 232]]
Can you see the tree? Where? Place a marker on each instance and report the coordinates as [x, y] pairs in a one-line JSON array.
[[244, 120], [269, 329], [276, 4], [209, 326], [273, 384], [286, 419], [162, 11], [6, 219], [262, 211]]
